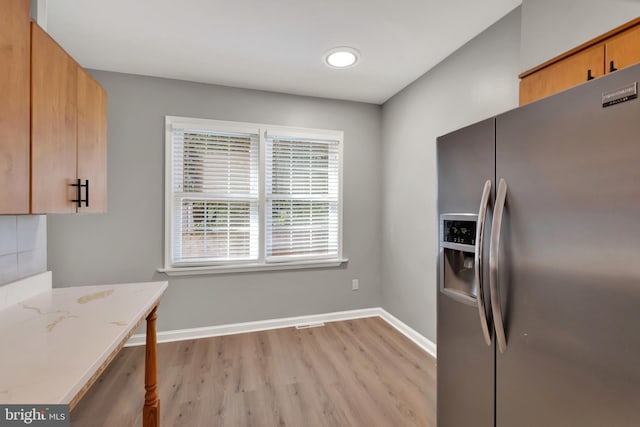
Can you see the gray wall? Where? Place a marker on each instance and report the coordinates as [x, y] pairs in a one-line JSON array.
[[23, 246], [126, 244], [550, 27], [477, 81], [397, 212]]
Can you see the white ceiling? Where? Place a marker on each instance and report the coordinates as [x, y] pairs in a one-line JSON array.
[[274, 45]]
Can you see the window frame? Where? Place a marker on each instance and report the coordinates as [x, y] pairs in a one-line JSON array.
[[262, 130]]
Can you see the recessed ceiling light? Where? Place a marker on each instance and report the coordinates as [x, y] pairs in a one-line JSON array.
[[341, 57]]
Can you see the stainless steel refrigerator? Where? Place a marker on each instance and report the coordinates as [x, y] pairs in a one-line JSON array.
[[539, 265]]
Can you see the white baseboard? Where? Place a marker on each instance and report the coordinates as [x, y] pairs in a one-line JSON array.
[[420, 340], [263, 325]]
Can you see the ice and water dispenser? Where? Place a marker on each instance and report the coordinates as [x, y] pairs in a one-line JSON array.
[[457, 257]]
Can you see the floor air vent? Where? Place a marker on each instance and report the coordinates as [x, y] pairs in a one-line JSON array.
[[310, 325]]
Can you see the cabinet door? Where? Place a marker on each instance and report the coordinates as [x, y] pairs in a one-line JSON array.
[[92, 141], [53, 125], [562, 75], [14, 106], [624, 49]]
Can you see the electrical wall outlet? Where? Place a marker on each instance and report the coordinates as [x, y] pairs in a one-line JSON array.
[[355, 285]]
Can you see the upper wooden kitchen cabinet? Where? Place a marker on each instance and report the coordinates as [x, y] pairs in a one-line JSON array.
[[624, 49], [14, 106], [68, 132], [92, 142], [607, 53], [54, 113], [562, 75]]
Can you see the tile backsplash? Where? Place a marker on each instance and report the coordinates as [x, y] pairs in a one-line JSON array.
[[23, 246]]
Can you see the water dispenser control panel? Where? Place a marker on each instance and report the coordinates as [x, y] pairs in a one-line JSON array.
[[457, 257], [459, 231]]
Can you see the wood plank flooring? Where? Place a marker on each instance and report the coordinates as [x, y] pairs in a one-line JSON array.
[[353, 373]]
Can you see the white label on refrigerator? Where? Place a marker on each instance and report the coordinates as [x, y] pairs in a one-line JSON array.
[[617, 96]]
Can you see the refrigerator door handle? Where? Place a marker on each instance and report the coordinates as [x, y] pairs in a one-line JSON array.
[[478, 261], [494, 254]]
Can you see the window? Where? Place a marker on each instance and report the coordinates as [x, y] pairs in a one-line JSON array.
[[247, 196]]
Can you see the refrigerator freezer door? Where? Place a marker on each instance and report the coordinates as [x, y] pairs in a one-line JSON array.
[[569, 270], [465, 361]]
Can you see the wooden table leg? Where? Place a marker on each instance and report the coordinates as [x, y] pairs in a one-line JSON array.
[[151, 410]]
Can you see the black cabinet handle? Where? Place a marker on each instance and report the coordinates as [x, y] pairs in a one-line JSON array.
[[589, 75], [612, 67], [78, 198], [86, 194]]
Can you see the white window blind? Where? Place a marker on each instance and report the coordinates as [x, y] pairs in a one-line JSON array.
[[215, 196], [247, 196], [302, 198]]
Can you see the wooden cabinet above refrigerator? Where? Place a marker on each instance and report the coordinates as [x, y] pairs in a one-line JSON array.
[[605, 54]]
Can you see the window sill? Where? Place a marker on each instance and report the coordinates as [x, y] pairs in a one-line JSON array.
[[246, 268]]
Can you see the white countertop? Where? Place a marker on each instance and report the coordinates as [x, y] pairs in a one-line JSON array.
[[53, 343]]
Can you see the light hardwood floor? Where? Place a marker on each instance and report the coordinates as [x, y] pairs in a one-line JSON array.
[[352, 373]]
